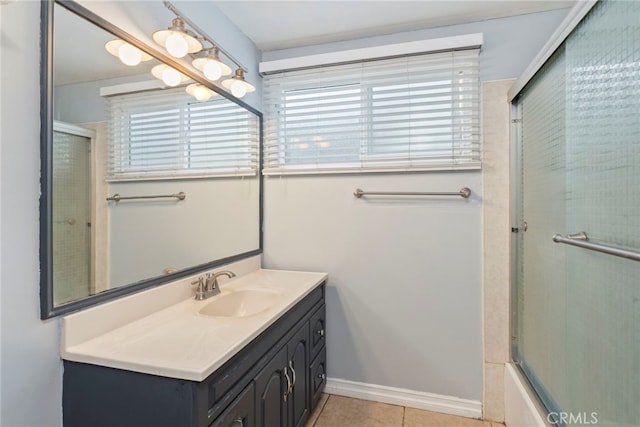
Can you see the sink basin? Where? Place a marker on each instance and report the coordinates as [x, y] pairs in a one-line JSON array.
[[240, 303]]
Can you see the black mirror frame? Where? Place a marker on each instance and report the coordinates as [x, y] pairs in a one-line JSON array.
[[47, 308]]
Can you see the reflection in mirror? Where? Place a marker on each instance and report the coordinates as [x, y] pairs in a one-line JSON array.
[[124, 145]]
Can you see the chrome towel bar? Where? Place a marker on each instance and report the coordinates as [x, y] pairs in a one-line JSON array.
[[581, 240], [117, 197], [464, 192]]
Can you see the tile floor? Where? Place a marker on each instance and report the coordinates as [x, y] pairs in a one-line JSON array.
[[338, 411]]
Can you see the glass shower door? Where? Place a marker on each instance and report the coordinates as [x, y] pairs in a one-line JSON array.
[[578, 311], [71, 216]]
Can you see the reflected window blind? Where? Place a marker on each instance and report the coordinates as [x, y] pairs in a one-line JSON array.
[[413, 113], [167, 134]]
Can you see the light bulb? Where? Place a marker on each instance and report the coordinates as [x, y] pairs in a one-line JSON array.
[[202, 93], [171, 77], [212, 70], [129, 55], [176, 45], [238, 89]]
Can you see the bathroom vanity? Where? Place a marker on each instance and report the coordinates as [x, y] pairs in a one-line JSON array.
[[184, 366]]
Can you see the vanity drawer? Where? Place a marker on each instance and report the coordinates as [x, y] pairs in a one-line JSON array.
[[317, 323], [241, 412], [318, 375]]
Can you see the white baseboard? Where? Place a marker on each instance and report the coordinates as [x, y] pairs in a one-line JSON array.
[[403, 397]]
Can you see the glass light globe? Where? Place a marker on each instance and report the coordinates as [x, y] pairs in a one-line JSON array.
[[212, 70], [129, 55], [176, 45], [238, 89], [171, 77], [202, 93]]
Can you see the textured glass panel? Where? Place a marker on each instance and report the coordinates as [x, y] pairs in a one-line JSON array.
[[541, 332], [603, 177], [578, 311]]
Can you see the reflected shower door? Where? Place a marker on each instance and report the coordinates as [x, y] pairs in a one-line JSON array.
[[578, 311], [71, 216]]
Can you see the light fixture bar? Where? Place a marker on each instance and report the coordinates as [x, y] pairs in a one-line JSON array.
[[202, 34]]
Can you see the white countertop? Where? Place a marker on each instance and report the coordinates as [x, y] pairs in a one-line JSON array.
[[178, 341]]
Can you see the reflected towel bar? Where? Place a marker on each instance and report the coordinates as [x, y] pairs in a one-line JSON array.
[[464, 192], [581, 240], [117, 197]]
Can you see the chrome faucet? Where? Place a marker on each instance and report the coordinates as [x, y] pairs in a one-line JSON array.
[[208, 287], [211, 287]]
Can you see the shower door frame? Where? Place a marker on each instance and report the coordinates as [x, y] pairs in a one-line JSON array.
[[517, 228]]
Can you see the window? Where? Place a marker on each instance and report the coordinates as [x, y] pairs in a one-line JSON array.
[[167, 134], [413, 113]]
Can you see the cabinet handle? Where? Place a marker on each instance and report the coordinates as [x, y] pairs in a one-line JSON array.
[[320, 332], [239, 421], [286, 393], [293, 371], [322, 376]]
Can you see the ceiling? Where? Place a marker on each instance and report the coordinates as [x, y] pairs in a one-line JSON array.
[[274, 25]]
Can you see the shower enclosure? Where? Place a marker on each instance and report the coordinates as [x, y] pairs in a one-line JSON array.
[[576, 311], [71, 212]]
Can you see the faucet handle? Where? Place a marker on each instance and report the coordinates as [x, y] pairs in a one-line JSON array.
[[200, 287], [210, 282]]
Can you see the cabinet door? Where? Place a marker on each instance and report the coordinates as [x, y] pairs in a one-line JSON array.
[[271, 391], [241, 412], [298, 364]]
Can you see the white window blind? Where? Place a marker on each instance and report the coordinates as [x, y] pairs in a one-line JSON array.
[[168, 134], [413, 113]]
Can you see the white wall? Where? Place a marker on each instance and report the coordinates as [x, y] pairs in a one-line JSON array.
[[403, 302], [31, 369], [218, 218], [404, 305], [92, 107], [31, 382]]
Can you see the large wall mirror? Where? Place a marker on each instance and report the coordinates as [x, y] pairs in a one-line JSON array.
[[142, 183]]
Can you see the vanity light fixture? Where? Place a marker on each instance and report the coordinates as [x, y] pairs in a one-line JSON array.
[[177, 39], [200, 92], [128, 54], [210, 65], [170, 76], [184, 37], [238, 86]]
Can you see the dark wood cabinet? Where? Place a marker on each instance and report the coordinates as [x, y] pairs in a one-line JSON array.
[[241, 412], [271, 392], [318, 376], [275, 381], [317, 332], [298, 369]]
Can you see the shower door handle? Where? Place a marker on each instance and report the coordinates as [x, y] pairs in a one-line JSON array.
[[68, 221]]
